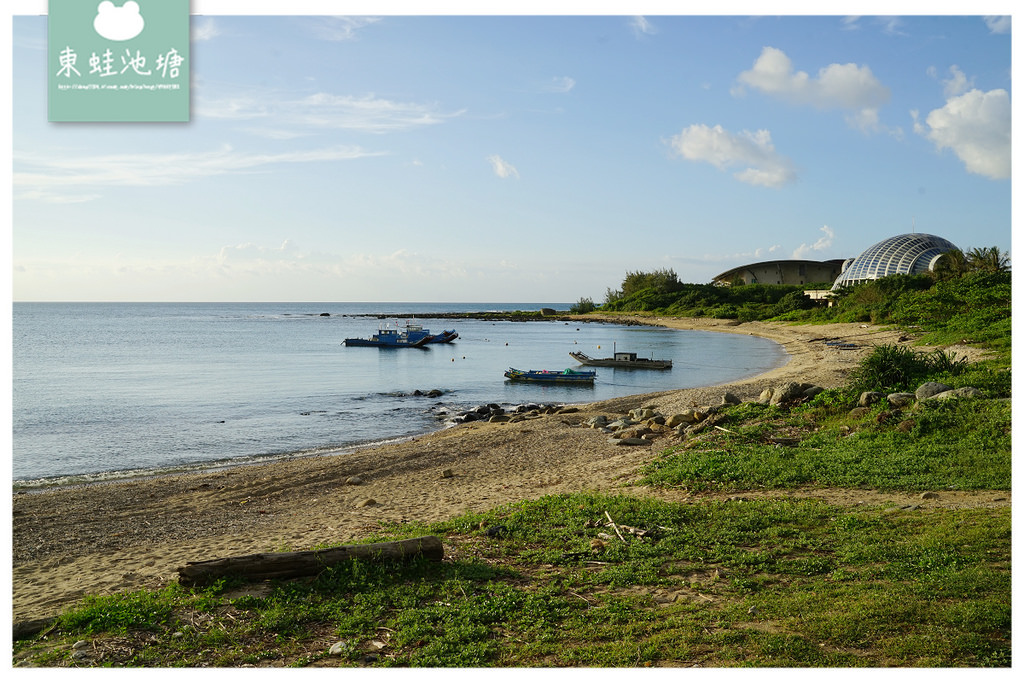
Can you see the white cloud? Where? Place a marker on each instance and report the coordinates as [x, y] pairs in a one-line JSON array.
[[891, 25], [204, 28], [502, 168], [321, 111], [957, 83], [823, 243], [257, 253], [998, 24], [976, 127], [560, 84], [642, 27], [753, 153], [847, 87], [49, 178], [339, 28], [287, 262]]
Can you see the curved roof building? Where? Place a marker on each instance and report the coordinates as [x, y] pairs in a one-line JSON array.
[[783, 272], [908, 254]]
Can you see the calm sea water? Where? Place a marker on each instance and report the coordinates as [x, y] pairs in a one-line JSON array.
[[107, 390]]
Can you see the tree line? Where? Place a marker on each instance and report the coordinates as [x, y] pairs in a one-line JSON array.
[[968, 289]]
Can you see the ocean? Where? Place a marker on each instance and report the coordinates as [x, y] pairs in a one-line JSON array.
[[113, 390]]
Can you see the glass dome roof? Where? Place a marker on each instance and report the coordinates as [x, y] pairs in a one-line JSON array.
[[908, 254]]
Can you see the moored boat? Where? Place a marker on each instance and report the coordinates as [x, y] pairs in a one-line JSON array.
[[445, 337], [567, 376], [410, 334], [622, 359], [413, 336]]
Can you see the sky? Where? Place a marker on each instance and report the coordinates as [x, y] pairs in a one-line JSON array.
[[534, 157]]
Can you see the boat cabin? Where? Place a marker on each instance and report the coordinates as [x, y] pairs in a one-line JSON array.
[[622, 355]]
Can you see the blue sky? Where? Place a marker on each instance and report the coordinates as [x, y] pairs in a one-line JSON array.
[[512, 158]]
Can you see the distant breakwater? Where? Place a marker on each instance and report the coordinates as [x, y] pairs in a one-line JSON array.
[[505, 316]]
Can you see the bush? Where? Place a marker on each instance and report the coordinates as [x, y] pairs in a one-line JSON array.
[[584, 305], [891, 368]]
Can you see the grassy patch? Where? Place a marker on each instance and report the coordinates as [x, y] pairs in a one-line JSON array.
[[938, 445], [736, 583]]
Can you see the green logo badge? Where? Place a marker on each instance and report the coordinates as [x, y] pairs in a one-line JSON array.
[[122, 60]]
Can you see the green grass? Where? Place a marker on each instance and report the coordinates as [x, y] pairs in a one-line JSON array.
[[939, 445], [738, 583]]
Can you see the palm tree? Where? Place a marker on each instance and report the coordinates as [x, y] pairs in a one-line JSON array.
[[988, 260], [952, 264]]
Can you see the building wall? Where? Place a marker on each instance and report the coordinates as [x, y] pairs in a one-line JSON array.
[[782, 273]]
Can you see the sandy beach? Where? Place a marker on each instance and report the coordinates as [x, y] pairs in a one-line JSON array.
[[129, 535]]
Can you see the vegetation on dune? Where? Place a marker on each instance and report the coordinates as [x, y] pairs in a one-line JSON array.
[[966, 298], [960, 445], [662, 293]]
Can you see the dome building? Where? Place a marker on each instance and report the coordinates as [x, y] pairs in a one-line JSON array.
[[908, 254]]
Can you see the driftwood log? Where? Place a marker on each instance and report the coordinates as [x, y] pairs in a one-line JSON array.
[[308, 562]]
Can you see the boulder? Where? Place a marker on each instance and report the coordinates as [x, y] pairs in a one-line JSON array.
[[642, 414], [812, 391], [929, 389], [906, 426], [786, 392], [858, 413], [688, 416], [962, 392], [677, 420], [869, 398], [730, 399], [900, 399], [634, 432]]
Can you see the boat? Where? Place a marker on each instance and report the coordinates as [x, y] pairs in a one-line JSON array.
[[391, 337], [445, 337], [622, 359], [409, 334], [415, 332], [567, 376]]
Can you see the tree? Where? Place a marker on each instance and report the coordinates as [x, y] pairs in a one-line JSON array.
[[988, 260], [951, 265], [662, 281]]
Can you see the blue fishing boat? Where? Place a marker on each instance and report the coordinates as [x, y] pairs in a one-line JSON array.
[[412, 335], [567, 376]]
